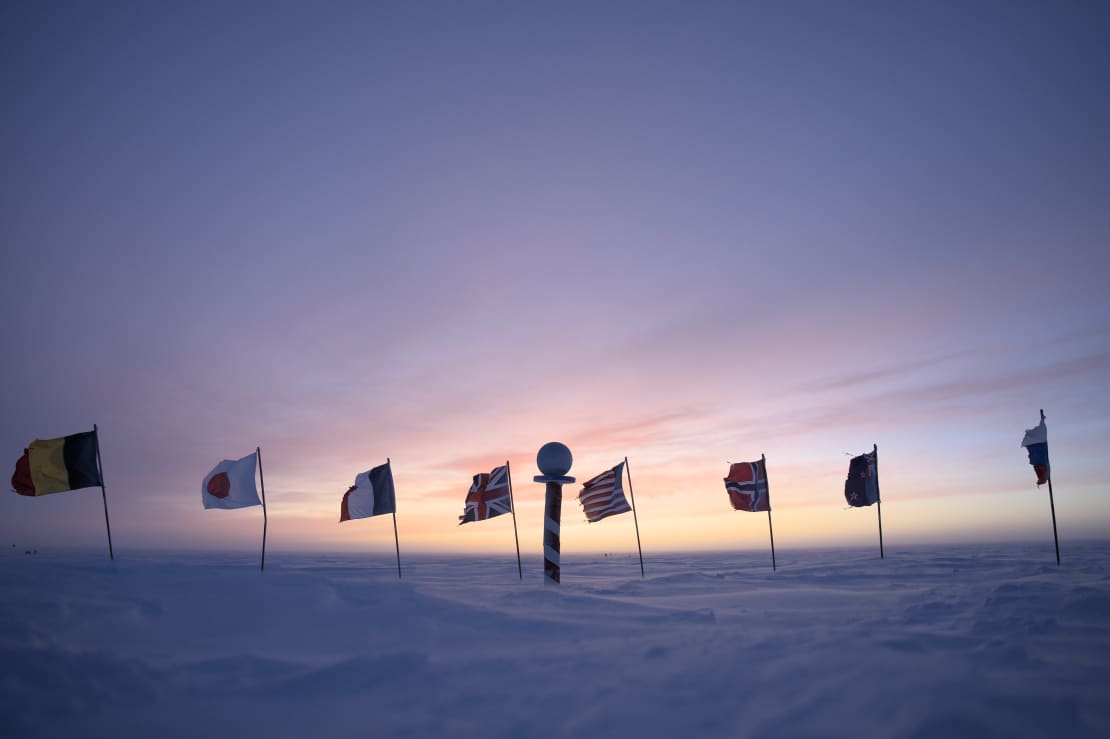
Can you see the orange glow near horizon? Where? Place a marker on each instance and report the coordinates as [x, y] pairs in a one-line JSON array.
[[446, 237]]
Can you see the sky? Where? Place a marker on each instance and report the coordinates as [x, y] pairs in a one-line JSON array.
[[689, 233]]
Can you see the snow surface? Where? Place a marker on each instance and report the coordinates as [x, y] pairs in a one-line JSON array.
[[947, 642]]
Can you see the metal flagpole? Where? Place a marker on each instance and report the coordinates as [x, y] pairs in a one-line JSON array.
[[770, 528], [512, 509], [262, 482], [1052, 504], [878, 500], [104, 495], [632, 495], [396, 539]]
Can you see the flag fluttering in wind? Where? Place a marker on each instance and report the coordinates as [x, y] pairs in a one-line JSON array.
[[747, 490], [1036, 443], [491, 495], [371, 495], [66, 463], [603, 496], [862, 486], [488, 496], [746, 485], [57, 465], [231, 484]]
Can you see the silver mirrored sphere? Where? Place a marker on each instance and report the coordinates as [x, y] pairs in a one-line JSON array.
[[554, 459]]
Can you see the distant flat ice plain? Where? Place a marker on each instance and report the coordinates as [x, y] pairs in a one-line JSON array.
[[968, 641]]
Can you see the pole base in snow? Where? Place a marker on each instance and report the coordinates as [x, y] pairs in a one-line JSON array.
[[552, 513]]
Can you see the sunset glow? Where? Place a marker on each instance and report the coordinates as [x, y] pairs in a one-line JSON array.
[[447, 234]]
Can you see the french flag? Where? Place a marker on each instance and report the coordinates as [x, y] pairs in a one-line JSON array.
[[371, 495]]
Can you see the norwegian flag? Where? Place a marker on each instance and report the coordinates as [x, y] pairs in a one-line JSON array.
[[488, 496], [603, 496], [746, 485]]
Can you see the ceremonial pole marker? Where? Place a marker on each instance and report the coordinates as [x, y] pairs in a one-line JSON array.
[[554, 460]]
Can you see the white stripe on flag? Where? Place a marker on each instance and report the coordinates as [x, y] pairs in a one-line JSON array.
[[613, 505], [597, 495]]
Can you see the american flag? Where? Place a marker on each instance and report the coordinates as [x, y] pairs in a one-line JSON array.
[[488, 496], [603, 496], [747, 486]]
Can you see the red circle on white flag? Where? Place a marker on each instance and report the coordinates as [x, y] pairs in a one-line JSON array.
[[219, 486]]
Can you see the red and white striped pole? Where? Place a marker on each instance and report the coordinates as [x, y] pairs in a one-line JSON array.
[[554, 460]]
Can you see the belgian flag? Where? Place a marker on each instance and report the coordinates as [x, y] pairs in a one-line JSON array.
[[56, 465]]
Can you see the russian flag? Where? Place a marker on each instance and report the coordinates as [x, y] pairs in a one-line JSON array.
[[1036, 443]]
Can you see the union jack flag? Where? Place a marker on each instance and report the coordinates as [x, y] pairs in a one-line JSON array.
[[746, 485], [603, 496], [488, 496]]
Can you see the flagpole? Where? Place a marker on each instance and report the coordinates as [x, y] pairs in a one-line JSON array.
[[1052, 503], [512, 508], [632, 495], [396, 538], [770, 528], [262, 481], [108, 526], [878, 499]]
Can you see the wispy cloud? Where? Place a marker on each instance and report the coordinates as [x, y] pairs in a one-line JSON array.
[[926, 401], [640, 431], [864, 377]]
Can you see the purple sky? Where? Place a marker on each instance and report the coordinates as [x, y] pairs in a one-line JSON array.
[[689, 233]]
